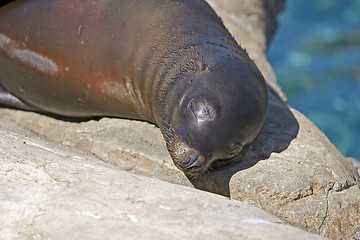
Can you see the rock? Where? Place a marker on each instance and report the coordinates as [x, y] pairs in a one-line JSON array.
[[309, 184], [48, 191], [300, 183], [355, 163], [291, 170], [133, 146]]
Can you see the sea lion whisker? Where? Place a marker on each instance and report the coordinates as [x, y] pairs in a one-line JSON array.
[[171, 133], [168, 126]]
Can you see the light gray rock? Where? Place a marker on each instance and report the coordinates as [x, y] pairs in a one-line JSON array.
[[48, 191], [355, 163], [291, 170], [133, 146], [309, 188], [309, 184]]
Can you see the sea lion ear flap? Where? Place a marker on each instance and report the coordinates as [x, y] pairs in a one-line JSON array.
[[201, 109], [200, 66]]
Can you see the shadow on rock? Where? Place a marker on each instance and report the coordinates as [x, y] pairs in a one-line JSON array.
[[280, 128]]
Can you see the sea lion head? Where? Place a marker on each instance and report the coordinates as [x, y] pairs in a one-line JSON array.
[[221, 108]]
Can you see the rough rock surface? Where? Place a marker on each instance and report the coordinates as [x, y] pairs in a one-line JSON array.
[[310, 184], [291, 170], [355, 163], [48, 191]]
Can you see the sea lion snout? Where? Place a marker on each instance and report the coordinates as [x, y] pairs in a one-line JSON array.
[[193, 160]]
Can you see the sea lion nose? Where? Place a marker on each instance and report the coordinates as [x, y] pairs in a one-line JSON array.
[[192, 161]]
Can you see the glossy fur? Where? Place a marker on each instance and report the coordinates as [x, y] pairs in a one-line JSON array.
[[170, 62]]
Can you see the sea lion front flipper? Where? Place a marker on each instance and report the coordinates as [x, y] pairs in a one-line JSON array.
[[7, 99]]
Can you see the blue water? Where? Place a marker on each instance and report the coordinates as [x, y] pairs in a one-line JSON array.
[[316, 56]]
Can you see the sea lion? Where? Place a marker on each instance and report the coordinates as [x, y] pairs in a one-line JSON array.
[[169, 62]]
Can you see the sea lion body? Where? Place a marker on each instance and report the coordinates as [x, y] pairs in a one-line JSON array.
[[169, 62]]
